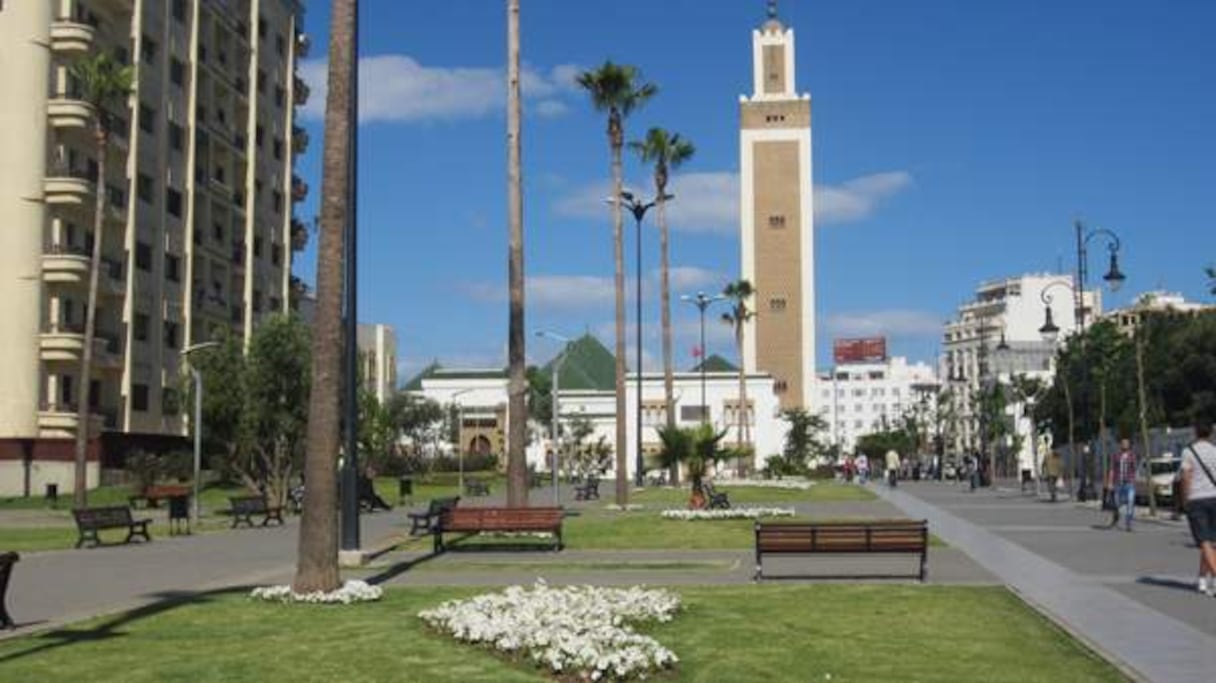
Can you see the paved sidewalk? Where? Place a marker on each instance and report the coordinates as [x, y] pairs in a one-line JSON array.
[[1107, 586]]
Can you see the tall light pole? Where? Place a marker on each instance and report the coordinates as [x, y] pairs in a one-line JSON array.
[[350, 466], [638, 209], [703, 301], [198, 422], [554, 402]]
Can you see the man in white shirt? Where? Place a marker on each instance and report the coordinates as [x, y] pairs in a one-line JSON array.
[[1199, 492]]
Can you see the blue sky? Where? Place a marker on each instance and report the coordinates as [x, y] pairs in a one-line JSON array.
[[955, 141]]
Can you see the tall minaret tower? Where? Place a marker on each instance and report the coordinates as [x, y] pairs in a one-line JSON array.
[[777, 217]]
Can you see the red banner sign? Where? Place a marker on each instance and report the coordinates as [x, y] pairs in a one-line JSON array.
[[864, 350]]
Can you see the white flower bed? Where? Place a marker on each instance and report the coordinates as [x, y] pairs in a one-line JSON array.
[[515, 534], [733, 513], [351, 591], [792, 484], [581, 630], [629, 507]]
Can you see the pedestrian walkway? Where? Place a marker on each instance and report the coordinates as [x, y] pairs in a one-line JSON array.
[[1069, 574]]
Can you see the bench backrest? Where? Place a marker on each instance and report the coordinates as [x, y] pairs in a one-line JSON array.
[[248, 504], [490, 519], [438, 505], [102, 517], [876, 536]]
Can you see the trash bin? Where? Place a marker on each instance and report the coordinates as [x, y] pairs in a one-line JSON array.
[[179, 513], [52, 494], [405, 489]]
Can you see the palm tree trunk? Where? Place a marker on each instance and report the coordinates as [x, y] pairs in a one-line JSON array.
[[517, 409], [317, 562], [669, 401], [615, 139], [1152, 490], [80, 494], [744, 436]]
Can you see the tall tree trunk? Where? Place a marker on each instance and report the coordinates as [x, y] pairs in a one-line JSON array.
[[669, 401], [517, 409], [80, 494], [1147, 454], [317, 562], [1072, 421], [743, 433], [616, 140]]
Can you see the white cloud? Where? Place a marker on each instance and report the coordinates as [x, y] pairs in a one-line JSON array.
[[708, 202], [552, 291], [895, 323], [397, 88], [691, 277]]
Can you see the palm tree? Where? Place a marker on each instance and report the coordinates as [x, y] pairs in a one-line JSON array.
[[517, 409], [103, 81], [618, 90], [317, 560], [739, 293], [667, 152], [697, 448]]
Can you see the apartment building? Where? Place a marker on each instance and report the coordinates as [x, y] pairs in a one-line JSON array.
[[378, 358], [860, 398], [198, 232]]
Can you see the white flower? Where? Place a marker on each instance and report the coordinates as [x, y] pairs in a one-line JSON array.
[[629, 507], [733, 513], [580, 629], [351, 591]]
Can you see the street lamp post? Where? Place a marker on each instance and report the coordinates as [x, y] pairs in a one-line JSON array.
[[198, 423], [554, 403], [703, 301], [638, 208]]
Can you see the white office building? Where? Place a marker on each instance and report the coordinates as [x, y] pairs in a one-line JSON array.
[[856, 399]]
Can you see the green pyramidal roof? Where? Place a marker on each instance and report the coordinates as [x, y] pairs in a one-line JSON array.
[[415, 382], [589, 365], [715, 363]]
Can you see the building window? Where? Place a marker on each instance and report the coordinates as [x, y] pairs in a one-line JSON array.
[[262, 81], [147, 49], [170, 402], [147, 118], [259, 134], [173, 202], [257, 247], [170, 335], [776, 222], [781, 386], [139, 327], [278, 148], [177, 71], [776, 305], [693, 413], [280, 96], [176, 137], [179, 10], [139, 397], [280, 44], [143, 187], [277, 201], [276, 254], [173, 264], [261, 27], [143, 256]]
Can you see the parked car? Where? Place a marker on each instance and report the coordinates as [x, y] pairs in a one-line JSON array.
[[1162, 472]]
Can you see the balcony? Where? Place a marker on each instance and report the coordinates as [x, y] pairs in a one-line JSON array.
[[64, 264], [299, 235], [303, 45], [300, 92], [299, 140], [59, 420], [299, 189], [67, 186], [66, 113], [72, 37], [62, 343]]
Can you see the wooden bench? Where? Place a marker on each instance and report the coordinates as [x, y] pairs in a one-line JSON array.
[[715, 499], [91, 520], [426, 521], [7, 560], [476, 487], [152, 495], [245, 507], [588, 490], [860, 537], [476, 520]]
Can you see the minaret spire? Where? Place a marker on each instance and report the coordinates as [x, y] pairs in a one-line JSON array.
[[772, 9]]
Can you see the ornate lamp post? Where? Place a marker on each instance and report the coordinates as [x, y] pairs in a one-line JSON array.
[[702, 301]]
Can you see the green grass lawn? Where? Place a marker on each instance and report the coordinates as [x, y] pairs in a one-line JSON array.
[[738, 633], [29, 539]]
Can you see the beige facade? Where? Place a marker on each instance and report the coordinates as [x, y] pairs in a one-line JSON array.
[[200, 189], [777, 219], [378, 355]]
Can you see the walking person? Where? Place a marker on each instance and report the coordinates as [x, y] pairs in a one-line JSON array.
[[892, 468], [973, 471], [1053, 467], [1121, 480], [863, 469], [1199, 494]]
